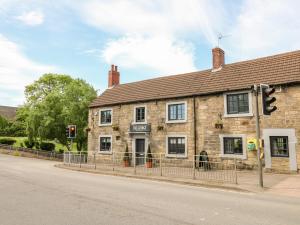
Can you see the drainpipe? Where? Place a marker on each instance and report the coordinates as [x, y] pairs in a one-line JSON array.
[[195, 129]]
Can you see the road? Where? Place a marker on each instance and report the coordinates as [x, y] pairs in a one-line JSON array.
[[34, 192]]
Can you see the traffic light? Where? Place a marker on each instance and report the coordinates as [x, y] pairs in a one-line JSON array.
[[267, 99], [72, 131]]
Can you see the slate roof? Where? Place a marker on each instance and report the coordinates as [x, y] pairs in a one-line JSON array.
[[274, 70]]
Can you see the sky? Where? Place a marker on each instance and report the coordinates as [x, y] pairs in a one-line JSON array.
[[146, 39]]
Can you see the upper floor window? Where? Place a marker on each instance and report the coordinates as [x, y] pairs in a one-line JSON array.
[[238, 104], [106, 117], [140, 114], [176, 112], [279, 146]]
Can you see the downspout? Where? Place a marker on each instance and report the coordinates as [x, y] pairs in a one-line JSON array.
[[195, 129]]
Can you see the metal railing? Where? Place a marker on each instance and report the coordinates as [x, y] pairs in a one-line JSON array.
[[214, 169], [36, 153]]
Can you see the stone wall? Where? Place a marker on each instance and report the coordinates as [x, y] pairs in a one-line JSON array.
[[208, 111]]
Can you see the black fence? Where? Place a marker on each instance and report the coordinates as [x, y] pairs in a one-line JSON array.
[[36, 153]]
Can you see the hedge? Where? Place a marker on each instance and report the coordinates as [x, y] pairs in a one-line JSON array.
[[48, 146], [7, 141]]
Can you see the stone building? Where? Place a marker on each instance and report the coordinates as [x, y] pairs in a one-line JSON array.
[[210, 110]]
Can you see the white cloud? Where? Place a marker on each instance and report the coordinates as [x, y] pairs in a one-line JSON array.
[[16, 71], [162, 27], [32, 18], [264, 28], [158, 53]]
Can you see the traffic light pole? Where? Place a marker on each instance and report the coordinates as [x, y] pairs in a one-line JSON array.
[[260, 173]]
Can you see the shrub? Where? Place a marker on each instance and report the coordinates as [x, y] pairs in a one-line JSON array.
[[7, 141], [61, 151], [47, 146], [37, 145], [28, 144]]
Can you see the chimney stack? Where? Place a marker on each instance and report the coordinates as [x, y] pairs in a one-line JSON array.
[[113, 76], [218, 57]]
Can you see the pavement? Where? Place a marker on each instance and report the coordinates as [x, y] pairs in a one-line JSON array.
[[34, 192], [279, 184]]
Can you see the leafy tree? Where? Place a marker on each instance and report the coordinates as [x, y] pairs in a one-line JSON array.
[[53, 102]]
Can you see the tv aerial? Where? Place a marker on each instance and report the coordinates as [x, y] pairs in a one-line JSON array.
[[221, 36]]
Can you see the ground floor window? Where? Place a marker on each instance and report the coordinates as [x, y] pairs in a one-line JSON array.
[[176, 146], [233, 145], [279, 146], [105, 144]]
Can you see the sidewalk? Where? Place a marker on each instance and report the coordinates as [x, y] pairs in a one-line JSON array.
[[279, 184]]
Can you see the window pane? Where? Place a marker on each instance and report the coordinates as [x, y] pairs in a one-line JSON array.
[[279, 146], [140, 114], [176, 112], [176, 145], [237, 103], [233, 145], [105, 143], [105, 116]]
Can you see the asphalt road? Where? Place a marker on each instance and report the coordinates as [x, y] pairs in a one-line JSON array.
[[33, 192]]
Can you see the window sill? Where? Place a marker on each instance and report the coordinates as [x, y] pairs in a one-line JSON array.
[[105, 153], [142, 123], [176, 121], [286, 157], [238, 115], [176, 156], [234, 156], [105, 124]]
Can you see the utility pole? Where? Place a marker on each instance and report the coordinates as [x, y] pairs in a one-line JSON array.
[[260, 173]]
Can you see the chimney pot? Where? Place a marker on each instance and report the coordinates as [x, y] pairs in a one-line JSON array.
[[218, 58]]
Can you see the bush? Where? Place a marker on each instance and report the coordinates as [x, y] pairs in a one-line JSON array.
[[37, 145], [7, 141], [28, 144], [61, 151], [47, 146]]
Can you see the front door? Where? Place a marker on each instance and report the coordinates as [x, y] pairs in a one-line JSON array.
[[140, 151]]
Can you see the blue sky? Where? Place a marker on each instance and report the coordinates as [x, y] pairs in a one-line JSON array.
[[144, 38]]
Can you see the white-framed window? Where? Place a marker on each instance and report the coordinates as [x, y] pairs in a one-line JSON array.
[[176, 146], [140, 114], [105, 144], [176, 112], [233, 145], [105, 117], [238, 104]]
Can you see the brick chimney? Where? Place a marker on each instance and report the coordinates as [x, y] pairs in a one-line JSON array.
[[218, 57], [113, 76]]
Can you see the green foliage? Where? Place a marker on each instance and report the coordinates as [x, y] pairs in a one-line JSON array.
[[7, 141], [149, 156], [15, 128], [53, 102], [48, 146], [28, 143]]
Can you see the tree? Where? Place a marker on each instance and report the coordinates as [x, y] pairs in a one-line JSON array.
[[53, 102]]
